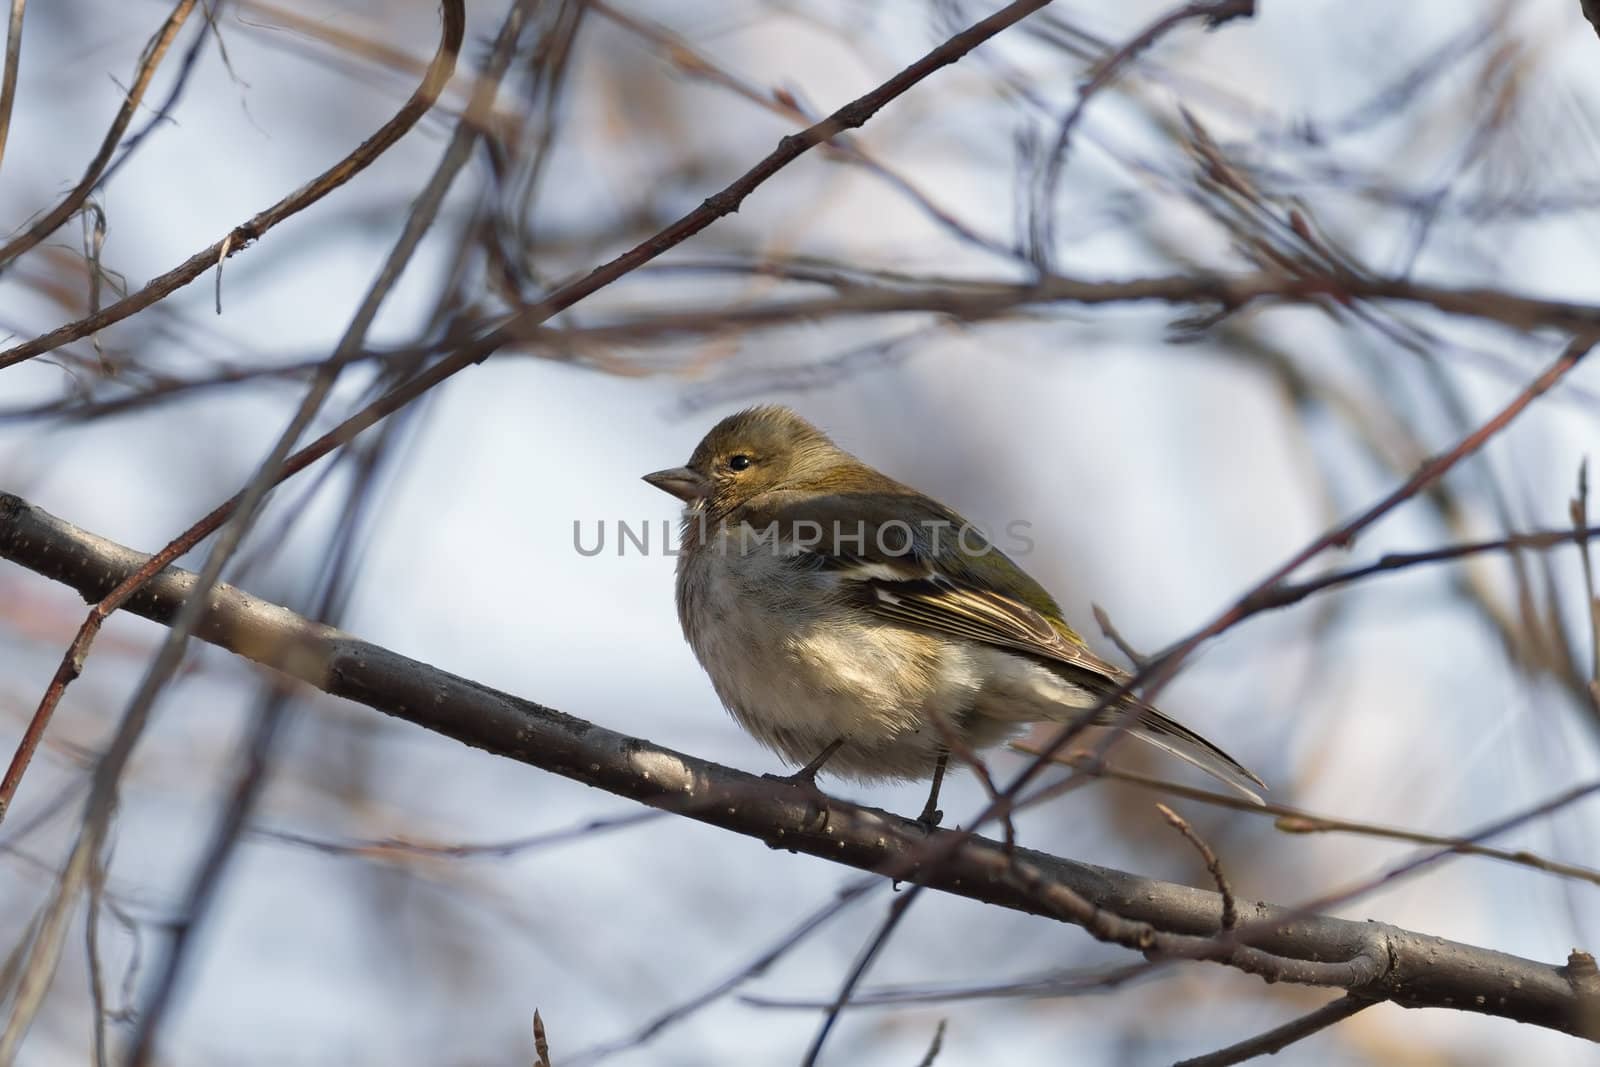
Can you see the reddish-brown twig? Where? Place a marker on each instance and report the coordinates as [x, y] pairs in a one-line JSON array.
[[1230, 913], [72, 662], [251, 230], [52, 220]]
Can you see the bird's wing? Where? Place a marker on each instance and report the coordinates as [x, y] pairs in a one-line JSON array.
[[918, 594], [905, 557], [981, 595]]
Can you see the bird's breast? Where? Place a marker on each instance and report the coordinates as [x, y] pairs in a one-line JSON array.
[[799, 666]]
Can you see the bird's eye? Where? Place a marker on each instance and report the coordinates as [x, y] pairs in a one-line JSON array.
[[739, 462]]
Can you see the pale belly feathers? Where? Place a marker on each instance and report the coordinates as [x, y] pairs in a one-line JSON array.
[[798, 670]]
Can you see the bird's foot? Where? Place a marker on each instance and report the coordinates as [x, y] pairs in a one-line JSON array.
[[929, 819]]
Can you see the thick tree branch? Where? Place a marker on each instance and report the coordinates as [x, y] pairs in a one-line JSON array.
[[1379, 961]]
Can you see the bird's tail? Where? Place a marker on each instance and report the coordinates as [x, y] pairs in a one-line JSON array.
[[1154, 728]]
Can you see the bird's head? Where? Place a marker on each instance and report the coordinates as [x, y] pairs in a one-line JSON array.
[[759, 450]]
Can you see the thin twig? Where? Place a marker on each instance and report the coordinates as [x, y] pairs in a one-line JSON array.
[[404, 848], [1230, 914], [869, 952], [8, 84], [46, 951], [934, 1047], [1294, 592], [1582, 532], [1213, 12], [248, 232], [91, 939], [72, 662], [1281, 1037], [210, 9], [1134, 656], [154, 51], [1293, 820], [1059, 983], [982, 299], [759, 965]]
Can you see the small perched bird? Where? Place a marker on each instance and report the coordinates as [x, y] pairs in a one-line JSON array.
[[847, 620]]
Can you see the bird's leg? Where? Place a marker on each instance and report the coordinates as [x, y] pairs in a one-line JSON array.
[[808, 771], [805, 778], [930, 813]]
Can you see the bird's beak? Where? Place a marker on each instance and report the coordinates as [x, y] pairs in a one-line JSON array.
[[685, 483]]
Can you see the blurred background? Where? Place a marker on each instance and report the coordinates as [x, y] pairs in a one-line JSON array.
[[1163, 463]]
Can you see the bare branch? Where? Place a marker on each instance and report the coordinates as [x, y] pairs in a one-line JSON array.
[[1230, 916], [438, 73], [246, 233], [1299, 821], [1213, 13], [1281, 1037], [53, 219], [1581, 533], [8, 84], [935, 1046], [45, 952], [1157, 918]]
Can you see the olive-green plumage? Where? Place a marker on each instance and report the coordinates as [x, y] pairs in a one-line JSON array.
[[830, 603]]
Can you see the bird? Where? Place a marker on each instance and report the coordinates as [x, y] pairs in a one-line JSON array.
[[849, 622]]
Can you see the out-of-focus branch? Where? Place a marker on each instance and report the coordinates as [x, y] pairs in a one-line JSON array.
[[849, 117], [438, 74], [154, 52], [678, 51], [1294, 592], [979, 299], [39, 959], [1281, 1037], [1298, 821], [419, 104], [1160, 919], [1591, 601], [790, 148], [8, 81], [1213, 13]]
